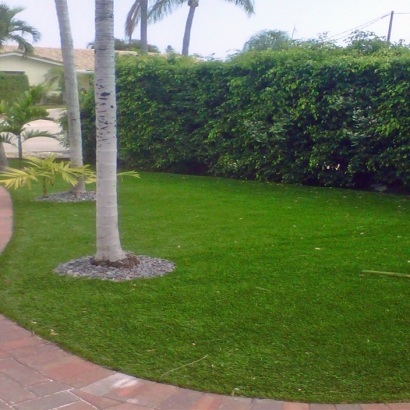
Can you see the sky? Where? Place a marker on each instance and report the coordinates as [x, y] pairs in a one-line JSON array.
[[220, 28]]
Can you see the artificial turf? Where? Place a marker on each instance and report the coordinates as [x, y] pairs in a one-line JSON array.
[[268, 292]]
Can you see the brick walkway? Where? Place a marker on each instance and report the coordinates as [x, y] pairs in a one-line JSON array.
[[38, 375]]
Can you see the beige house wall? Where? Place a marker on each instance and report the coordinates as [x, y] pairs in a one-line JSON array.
[[84, 81], [35, 70]]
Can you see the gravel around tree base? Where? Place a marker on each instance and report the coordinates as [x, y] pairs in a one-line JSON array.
[[68, 197], [147, 268]]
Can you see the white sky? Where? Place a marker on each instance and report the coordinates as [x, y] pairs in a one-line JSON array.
[[220, 27]]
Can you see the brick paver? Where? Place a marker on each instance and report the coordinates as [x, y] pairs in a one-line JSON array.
[[399, 406], [208, 402], [267, 405], [182, 399], [38, 375]]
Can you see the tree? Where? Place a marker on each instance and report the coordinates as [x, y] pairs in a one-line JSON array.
[[162, 8], [131, 45], [137, 13], [109, 250], [193, 4], [366, 42], [71, 89], [14, 30], [55, 80], [246, 5], [321, 43], [269, 39], [16, 115], [170, 50]]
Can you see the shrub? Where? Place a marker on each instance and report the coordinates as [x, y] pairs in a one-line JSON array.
[[294, 116], [88, 130], [52, 99], [12, 85]]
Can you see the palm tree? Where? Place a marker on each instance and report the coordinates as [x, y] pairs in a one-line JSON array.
[[16, 115], [71, 88], [162, 8], [246, 5], [15, 30], [109, 250], [138, 11]]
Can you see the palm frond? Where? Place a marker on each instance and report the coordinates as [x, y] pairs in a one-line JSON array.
[[90, 179], [46, 169], [10, 13], [26, 135], [133, 18], [15, 30], [17, 178], [21, 42], [23, 27], [247, 5], [8, 138], [163, 8], [70, 175], [54, 76], [39, 161], [128, 174]]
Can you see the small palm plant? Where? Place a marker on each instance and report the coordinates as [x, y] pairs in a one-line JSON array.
[[17, 114], [44, 171]]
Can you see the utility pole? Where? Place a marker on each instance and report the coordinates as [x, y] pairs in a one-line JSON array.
[[294, 31], [390, 25]]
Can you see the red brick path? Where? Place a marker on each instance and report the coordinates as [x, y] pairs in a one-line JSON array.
[[38, 375]]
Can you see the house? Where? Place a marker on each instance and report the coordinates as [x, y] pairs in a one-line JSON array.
[[37, 64]]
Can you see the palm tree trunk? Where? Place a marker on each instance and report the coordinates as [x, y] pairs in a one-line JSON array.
[[144, 26], [73, 103], [3, 157], [20, 151], [108, 238], [193, 4]]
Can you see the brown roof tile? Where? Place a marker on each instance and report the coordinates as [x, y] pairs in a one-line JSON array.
[[84, 58]]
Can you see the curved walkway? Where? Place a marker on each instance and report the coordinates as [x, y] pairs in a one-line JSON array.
[[38, 375]]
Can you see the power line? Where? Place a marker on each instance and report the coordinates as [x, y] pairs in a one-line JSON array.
[[361, 26], [347, 35]]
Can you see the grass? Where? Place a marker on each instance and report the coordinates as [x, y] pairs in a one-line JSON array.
[[268, 286]]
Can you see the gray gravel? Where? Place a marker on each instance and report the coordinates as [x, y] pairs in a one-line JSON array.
[[68, 197], [147, 268]]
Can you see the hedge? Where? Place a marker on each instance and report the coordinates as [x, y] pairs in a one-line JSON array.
[[12, 85], [294, 116]]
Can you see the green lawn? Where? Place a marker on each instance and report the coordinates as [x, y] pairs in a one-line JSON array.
[[268, 286]]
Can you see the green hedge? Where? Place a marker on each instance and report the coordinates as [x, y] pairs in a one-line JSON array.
[[295, 116], [12, 85]]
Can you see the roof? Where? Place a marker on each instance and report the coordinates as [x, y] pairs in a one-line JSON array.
[[84, 58]]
